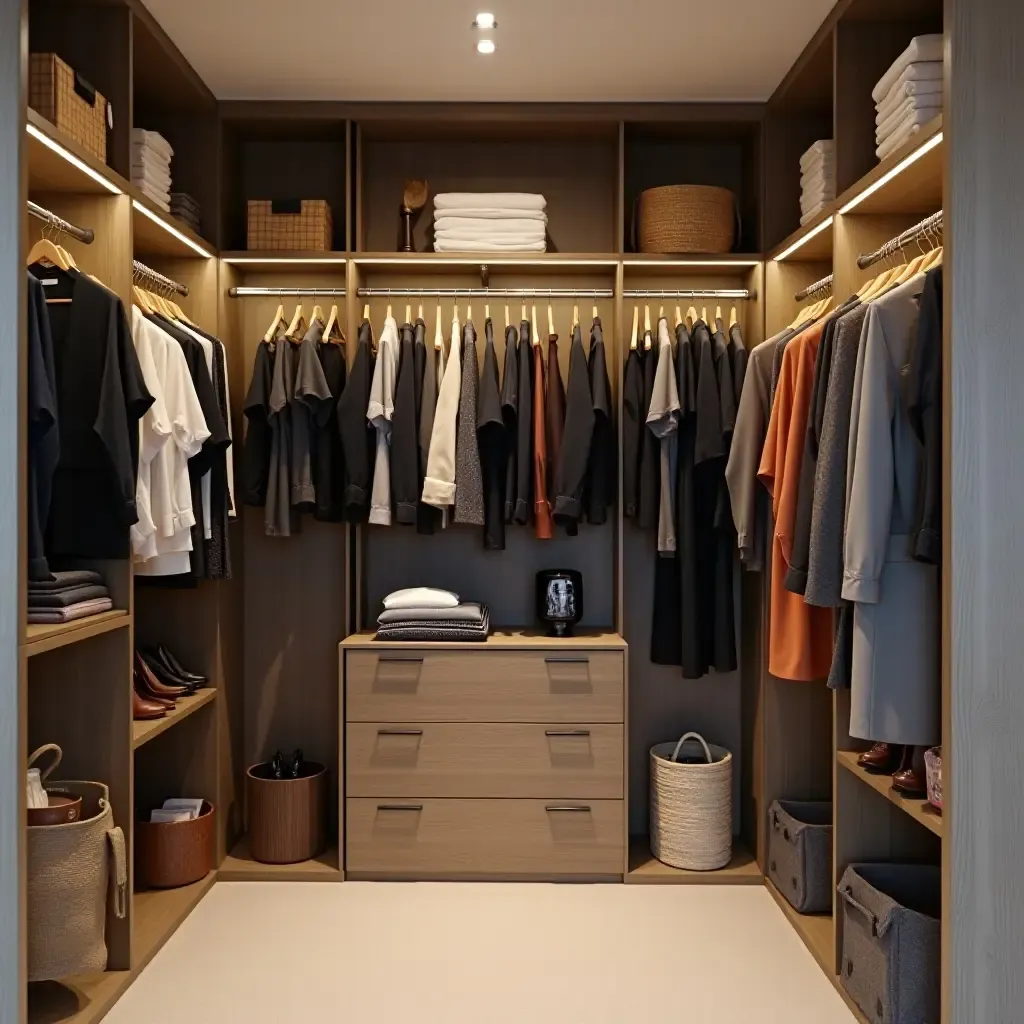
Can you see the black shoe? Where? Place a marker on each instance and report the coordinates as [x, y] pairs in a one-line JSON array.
[[163, 675], [172, 663]]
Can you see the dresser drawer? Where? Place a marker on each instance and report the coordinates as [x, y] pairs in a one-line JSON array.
[[483, 760], [499, 686], [473, 838]]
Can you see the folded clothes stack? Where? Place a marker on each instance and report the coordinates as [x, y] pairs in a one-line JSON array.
[[151, 166], [68, 596], [817, 179], [490, 222], [909, 94], [186, 209], [423, 614]]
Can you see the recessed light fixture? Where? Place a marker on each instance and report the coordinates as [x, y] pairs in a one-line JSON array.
[[71, 158], [171, 230], [485, 46], [804, 239], [934, 141], [485, 20]]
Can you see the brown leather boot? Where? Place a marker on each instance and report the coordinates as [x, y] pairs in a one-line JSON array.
[[883, 758], [910, 779], [147, 695], [153, 686], [144, 710]]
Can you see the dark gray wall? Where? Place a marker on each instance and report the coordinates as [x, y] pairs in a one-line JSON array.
[[985, 371]]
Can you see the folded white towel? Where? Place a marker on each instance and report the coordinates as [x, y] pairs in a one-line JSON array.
[[475, 245], [921, 48], [486, 238], [900, 111], [907, 130], [497, 228], [494, 200], [911, 115], [421, 597], [154, 178], [812, 179], [822, 150], [492, 213], [156, 197], [920, 74], [808, 201], [154, 140], [928, 91]]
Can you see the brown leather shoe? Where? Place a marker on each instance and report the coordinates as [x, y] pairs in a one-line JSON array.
[[144, 710], [153, 685], [148, 696], [910, 779], [883, 758]]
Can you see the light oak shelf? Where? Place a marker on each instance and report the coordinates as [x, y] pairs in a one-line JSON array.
[[49, 171], [239, 866], [646, 869], [280, 260], [78, 1000], [153, 233], [920, 810], [816, 930], [157, 915], [40, 638], [520, 639], [497, 262], [143, 732]]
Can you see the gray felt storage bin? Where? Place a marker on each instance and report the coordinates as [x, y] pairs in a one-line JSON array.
[[892, 941], [800, 853]]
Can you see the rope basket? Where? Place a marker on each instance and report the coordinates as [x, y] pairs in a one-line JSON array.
[[686, 219], [691, 804]]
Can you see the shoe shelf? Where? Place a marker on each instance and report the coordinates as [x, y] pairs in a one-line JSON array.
[[920, 810], [144, 731], [239, 866], [40, 638]]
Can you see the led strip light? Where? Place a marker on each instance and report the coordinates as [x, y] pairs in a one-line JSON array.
[[181, 236], [800, 242], [236, 260], [72, 159], [934, 141]]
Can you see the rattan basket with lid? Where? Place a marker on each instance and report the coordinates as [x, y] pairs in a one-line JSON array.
[[685, 219]]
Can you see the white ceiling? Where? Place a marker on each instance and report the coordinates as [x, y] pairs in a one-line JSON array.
[[547, 50]]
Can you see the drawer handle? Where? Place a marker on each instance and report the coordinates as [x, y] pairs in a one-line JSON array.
[[399, 659], [399, 807], [567, 661], [566, 732], [559, 808], [399, 732]]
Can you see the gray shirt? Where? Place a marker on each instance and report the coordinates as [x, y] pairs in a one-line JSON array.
[[311, 408], [278, 517], [663, 422]]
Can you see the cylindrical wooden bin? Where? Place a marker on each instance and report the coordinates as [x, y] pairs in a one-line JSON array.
[[169, 854], [287, 817]]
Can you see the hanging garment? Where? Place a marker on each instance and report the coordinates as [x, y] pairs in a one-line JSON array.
[[571, 471], [543, 524], [358, 435], [525, 429], [313, 401], [739, 356], [663, 423], [442, 357], [469, 485], [599, 481], [256, 449], [44, 428], [328, 450], [218, 345], [510, 416], [279, 519], [405, 484], [896, 679], [439, 483], [554, 412], [650, 459], [727, 394], [218, 547], [379, 412], [491, 440], [800, 636], [634, 424], [428, 517]]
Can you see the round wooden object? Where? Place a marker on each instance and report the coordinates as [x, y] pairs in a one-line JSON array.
[[287, 817], [63, 808], [169, 854]]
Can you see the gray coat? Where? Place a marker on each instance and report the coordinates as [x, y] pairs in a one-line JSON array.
[[896, 629]]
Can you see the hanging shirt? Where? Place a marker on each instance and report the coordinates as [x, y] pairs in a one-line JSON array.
[[312, 409], [469, 487], [358, 436], [599, 482], [555, 415], [650, 459], [405, 484], [279, 517], [427, 516], [256, 450], [663, 423], [543, 525], [491, 439], [740, 357], [510, 416], [524, 429], [634, 423], [328, 452], [379, 412], [571, 471], [439, 483]]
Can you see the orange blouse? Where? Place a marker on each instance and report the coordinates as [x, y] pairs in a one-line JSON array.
[[800, 636]]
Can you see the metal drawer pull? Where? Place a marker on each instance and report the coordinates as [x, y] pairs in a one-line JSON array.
[[399, 807], [400, 659], [567, 661], [558, 808], [566, 732], [399, 732]]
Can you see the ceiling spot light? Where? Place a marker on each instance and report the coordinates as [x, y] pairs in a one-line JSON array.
[[485, 46], [485, 21]]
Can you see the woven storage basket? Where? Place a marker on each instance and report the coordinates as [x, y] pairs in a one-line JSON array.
[[685, 219], [691, 804], [291, 225], [62, 96], [169, 854], [70, 868]]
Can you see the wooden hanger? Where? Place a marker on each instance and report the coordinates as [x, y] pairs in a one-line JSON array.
[[408, 312], [647, 328], [596, 314], [487, 311], [633, 334], [679, 316], [387, 314], [733, 318], [141, 300], [523, 314], [718, 313], [551, 320], [469, 312], [419, 312], [535, 339], [704, 315], [298, 322], [44, 251], [575, 316], [275, 324], [661, 312], [332, 322], [691, 316], [70, 259], [508, 323], [438, 333], [366, 312]]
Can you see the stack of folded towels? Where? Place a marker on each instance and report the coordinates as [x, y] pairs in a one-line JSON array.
[[490, 222], [909, 94], [68, 596], [817, 179], [151, 166], [423, 614], [185, 209]]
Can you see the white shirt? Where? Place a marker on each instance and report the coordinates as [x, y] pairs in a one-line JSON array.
[[439, 481], [380, 412]]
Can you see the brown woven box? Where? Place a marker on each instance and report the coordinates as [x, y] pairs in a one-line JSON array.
[[292, 225], [686, 219], [63, 97], [169, 854]]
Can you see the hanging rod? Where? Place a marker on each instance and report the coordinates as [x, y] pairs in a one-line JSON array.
[[84, 235], [158, 279], [484, 293], [818, 288], [929, 225], [706, 293], [246, 290]]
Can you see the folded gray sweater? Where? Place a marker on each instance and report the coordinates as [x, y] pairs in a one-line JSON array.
[[469, 612]]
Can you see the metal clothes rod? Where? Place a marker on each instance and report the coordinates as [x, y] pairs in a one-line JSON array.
[[930, 225], [706, 293], [818, 288], [245, 290], [84, 235], [484, 293], [158, 279]]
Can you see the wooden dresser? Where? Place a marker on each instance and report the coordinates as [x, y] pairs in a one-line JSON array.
[[497, 760]]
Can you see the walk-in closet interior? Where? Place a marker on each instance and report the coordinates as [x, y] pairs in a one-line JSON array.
[[527, 756]]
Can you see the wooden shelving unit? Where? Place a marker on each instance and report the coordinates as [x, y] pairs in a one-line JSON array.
[[283, 260], [816, 930], [50, 171], [646, 869], [158, 914], [239, 866], [920, 810], [79, 1000], [159, 234], [143, 732], [41, 638]]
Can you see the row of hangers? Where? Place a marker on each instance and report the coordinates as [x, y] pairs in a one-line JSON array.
[[150, 301], [690, 319], [296, 327], [48, 252]]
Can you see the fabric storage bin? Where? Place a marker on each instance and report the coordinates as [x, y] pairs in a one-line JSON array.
[[287, 817], [70, 869], [933, 776], [892, 941], [800, 853], [691, 804], [65, 98], [293, 225], [685, 219], [170, 854]]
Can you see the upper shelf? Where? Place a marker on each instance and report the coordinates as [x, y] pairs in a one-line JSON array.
[[56, 163], [156, 233], [920, 810]]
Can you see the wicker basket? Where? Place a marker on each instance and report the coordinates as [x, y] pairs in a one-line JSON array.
[[691, 804], [62, 96], [291, 225], [685, 219], [169, 854]]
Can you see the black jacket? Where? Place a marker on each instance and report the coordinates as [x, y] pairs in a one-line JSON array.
[[406, 486], [256, 450], [510, 414], [524, 429], [491, 440], [599, 491], [358, 436], [650, 449], [574, 453], [633, 426]]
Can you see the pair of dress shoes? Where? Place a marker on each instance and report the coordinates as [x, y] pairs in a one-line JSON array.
[[159, 680], [899, 761]]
